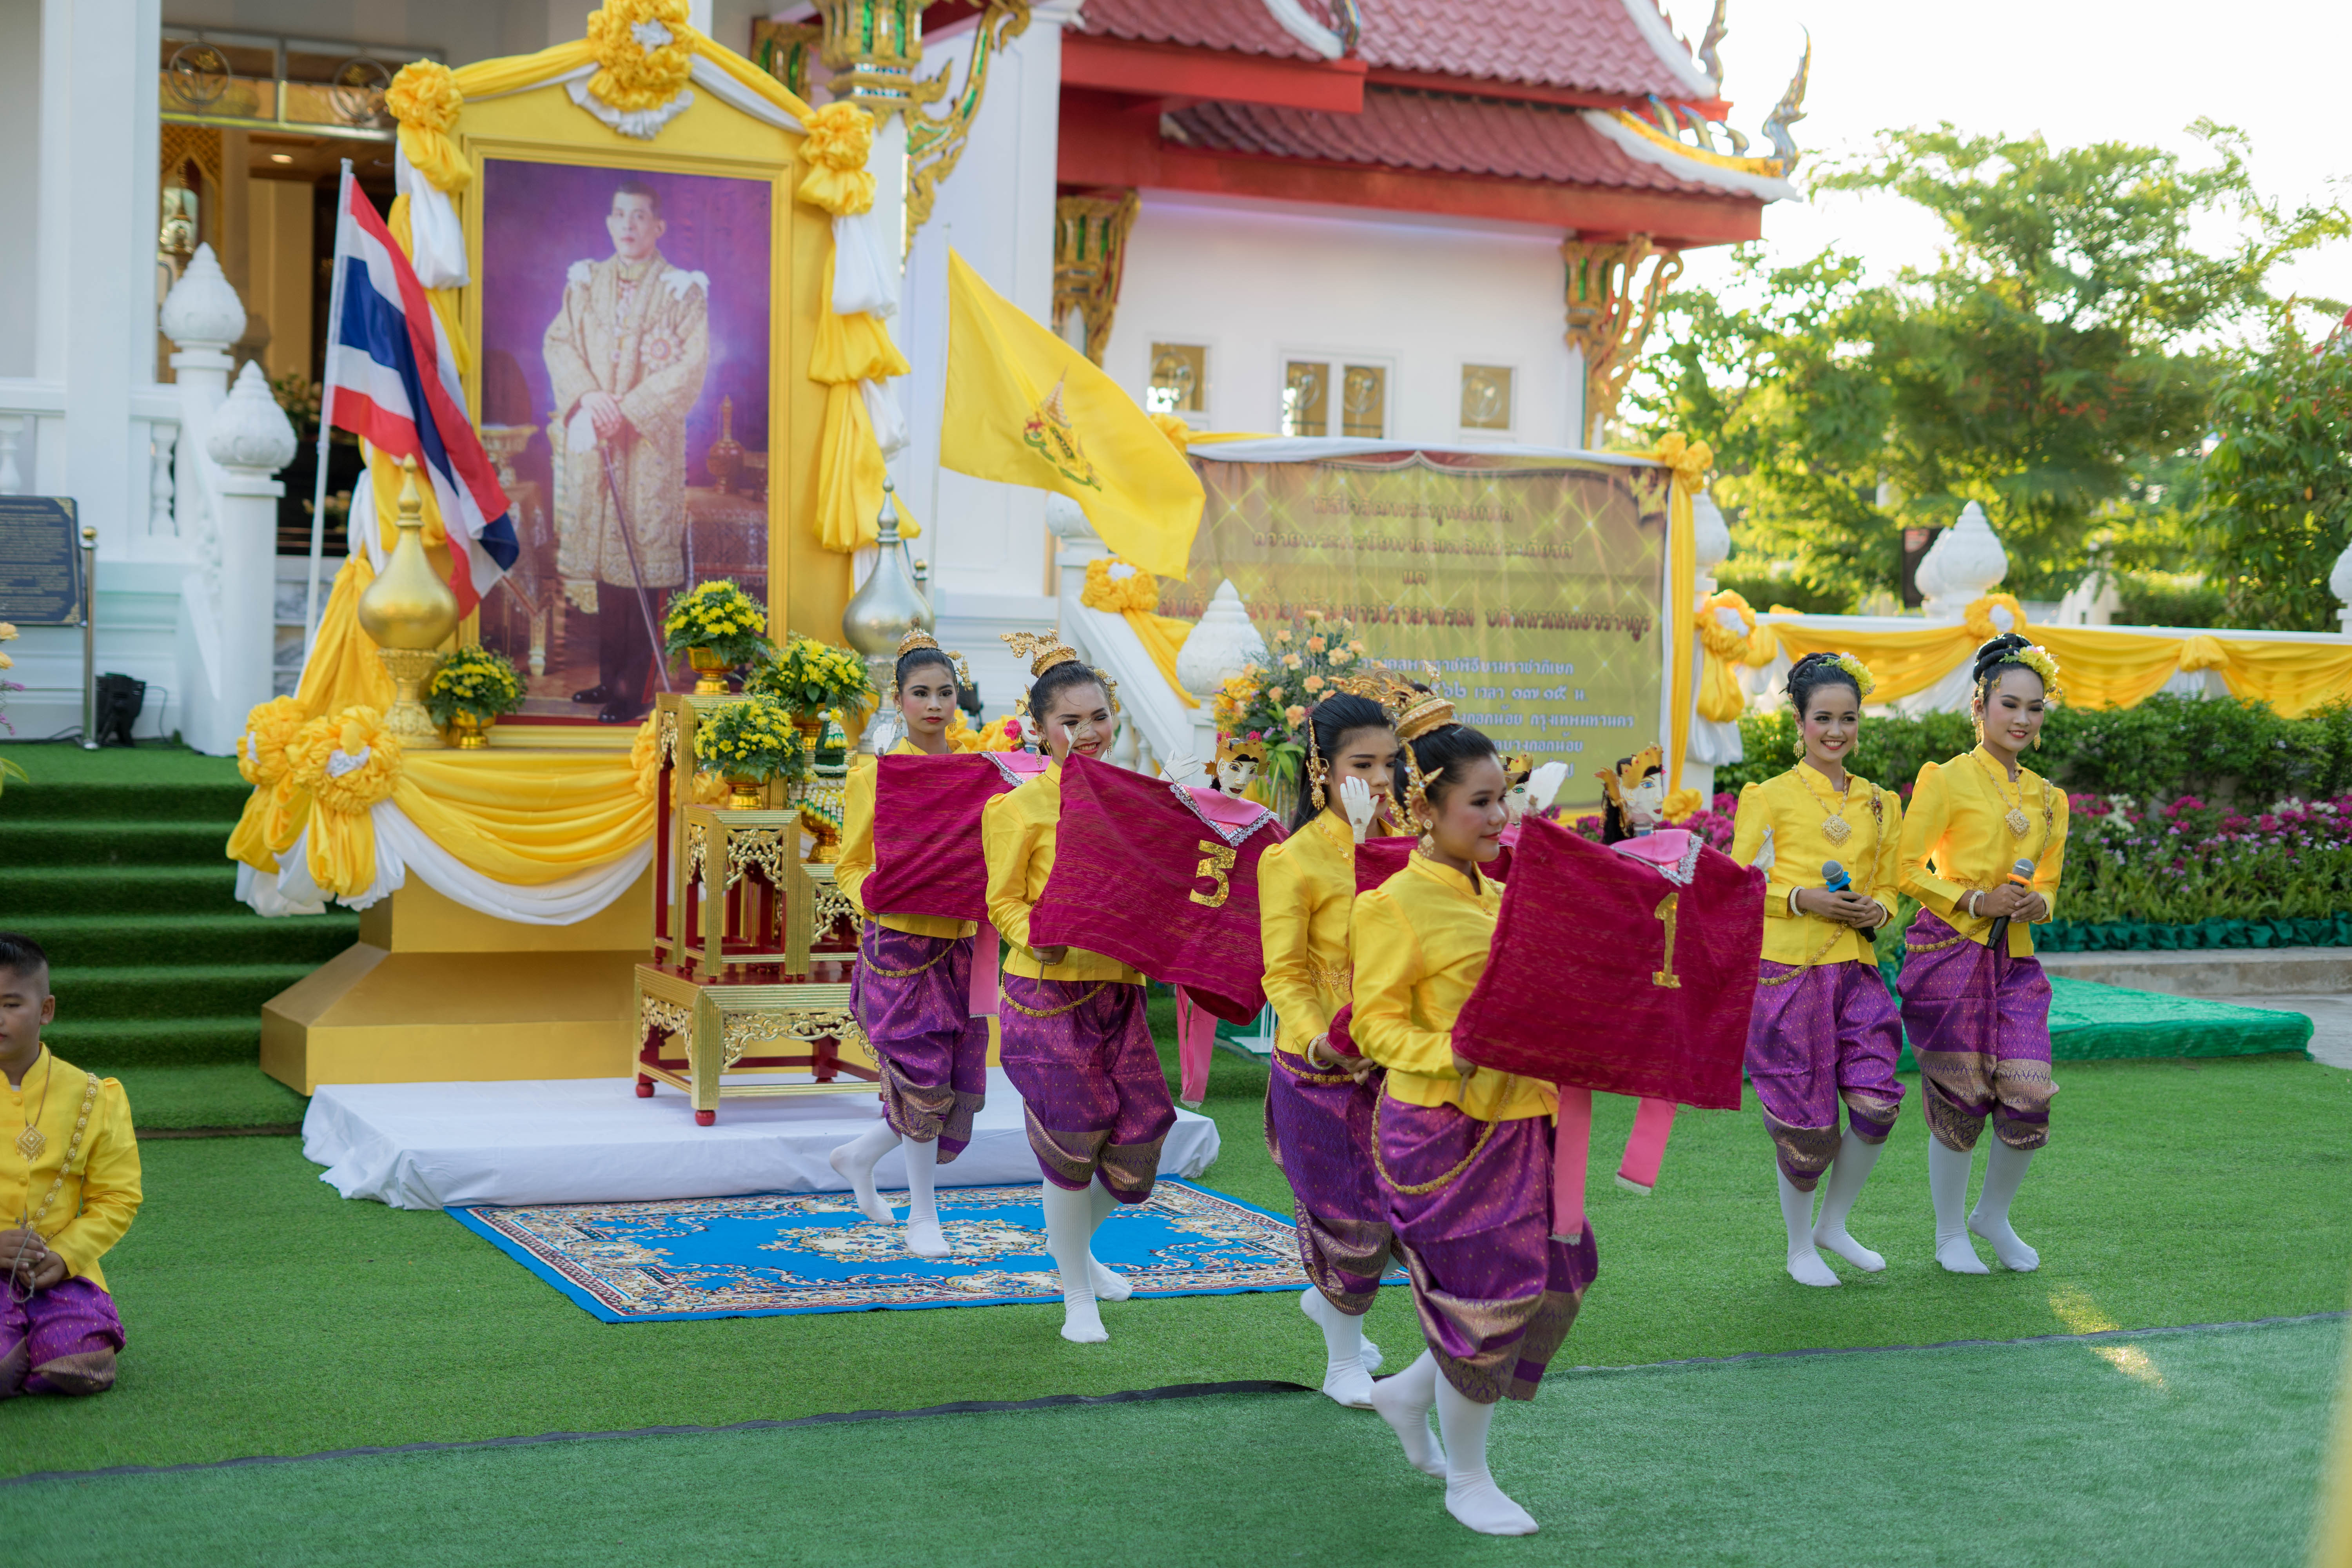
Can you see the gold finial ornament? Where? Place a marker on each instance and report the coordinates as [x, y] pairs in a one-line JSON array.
[[410, 612]]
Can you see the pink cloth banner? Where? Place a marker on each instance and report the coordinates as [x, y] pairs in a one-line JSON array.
[[1611, 972], [1145, 873], [927, 856]]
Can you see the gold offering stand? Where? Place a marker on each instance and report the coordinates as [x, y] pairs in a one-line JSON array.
[[753, 948]]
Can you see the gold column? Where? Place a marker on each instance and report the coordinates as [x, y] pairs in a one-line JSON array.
[[1610, 307]]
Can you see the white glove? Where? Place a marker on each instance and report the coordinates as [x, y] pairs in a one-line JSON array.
[[1543, 784], [1764, 854], [1185, 768], [1356, 801]]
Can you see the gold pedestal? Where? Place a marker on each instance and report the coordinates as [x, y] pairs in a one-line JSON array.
[[410, 668], [435, 992]]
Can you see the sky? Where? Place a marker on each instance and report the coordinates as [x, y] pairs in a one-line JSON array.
[[2075, 71]]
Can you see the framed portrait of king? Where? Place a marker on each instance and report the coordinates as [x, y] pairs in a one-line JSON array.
[[640, 313]]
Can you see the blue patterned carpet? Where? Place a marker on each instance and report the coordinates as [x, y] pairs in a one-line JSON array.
[[771, 1254]]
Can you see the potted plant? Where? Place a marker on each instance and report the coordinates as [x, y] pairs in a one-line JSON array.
[[470, 691], [749, 742], [719, 628], [807, 677]]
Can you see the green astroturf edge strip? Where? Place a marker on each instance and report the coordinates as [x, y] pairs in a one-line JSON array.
[[1129, 1397]]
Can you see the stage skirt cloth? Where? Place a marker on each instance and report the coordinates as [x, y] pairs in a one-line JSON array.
[[62, 1341], [1979, 1024], [1470, 1202], [912, 995], [1815, 1037], [1319, 1128], [1094, 1096]]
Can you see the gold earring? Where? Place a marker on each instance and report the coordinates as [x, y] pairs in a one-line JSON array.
[[1800, 748]]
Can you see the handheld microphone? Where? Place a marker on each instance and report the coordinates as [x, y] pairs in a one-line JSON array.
[[1833, 878], [2020, 875]]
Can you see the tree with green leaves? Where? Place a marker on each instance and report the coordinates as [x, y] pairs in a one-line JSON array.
[[2278, 484], [2055, 363]]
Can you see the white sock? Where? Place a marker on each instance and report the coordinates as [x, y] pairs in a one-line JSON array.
[[1805, 1265], [1948, 1184], [1109, 1284], [1839, 1188], [1471, 1494], [2004, 1169], [1311, 1302], [1403, 1402], [1068, 1219], [854, 1162], [924, 1237], [1344, 1377]]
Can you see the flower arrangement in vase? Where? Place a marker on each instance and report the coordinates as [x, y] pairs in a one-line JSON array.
[[472, 691], [1270, 699], [719, 628], [749, 743], [808, 677]]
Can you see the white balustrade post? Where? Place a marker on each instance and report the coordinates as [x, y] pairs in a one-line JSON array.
[[250, 439], [1964, 565], [162, 438], [1079, 544], [203, 316], [2339, 583], [12, 479], [1216, 649]]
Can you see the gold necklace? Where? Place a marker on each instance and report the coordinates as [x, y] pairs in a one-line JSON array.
[[1834, 826], [2019, 823], [32, 1140]]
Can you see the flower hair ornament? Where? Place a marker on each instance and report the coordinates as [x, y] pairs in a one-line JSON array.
[[1864, 682], [2038, 659], [1615, 782]]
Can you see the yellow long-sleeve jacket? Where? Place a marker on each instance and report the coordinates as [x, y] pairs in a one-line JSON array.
[[1017, 831], [1956, 837], [101, 1193], [1420, 942], [1796, 805], [1305, 898], [856, 862]]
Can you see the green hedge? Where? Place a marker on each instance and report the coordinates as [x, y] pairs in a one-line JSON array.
[[2167, 746], [2142, 936]]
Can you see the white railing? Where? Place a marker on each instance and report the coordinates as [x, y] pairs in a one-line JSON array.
[[1158, 725], [32, 416]]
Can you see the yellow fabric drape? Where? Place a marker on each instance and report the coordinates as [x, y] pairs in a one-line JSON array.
[[1720, 698], [1136, 597], [1163, 637], [850, 471], [2097, 668], [1689, 462], [527, 817]]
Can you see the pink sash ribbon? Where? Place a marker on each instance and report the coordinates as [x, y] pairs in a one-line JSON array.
[[1196, 1042], [983, 970], [1571, 1142]]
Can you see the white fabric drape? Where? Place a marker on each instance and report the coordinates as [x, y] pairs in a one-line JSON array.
[[402, 847], [436, 238]]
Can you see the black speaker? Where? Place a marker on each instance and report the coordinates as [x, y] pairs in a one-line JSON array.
[[121, 701]]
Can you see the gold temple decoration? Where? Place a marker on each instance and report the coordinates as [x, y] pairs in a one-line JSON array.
[[1611, 309], [873, 47], [1089, 256], [410, 612], [785, 50]]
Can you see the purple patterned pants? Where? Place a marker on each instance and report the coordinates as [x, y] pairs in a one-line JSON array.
[[1092, 1090], [62, 1341], [1980, 1025], [1496, 1294], [1319, 1128], [1816, 1036], [912, 997]]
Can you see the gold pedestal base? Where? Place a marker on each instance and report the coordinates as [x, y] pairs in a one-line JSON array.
[[435, 992], [410, 668]]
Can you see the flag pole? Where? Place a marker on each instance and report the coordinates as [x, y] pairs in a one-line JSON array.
[[326, 417]]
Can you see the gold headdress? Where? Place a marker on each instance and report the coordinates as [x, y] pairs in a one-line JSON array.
[[1428, 711], [1615, 782], [1044, 651], [917, 638]]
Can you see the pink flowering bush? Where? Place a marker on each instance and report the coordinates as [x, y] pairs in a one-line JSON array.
[[1713, 825], [2187, 861]]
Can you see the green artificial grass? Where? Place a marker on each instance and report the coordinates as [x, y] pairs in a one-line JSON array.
[[115, 861], [209, 1094], [268, 1316], [2176, 1449]]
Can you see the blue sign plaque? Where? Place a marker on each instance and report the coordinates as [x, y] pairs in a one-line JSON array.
[[40, 562]]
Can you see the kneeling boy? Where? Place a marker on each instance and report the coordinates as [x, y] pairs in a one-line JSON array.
[[68, 1188]]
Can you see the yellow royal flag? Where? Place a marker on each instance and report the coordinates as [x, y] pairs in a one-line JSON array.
[[1025, 407]]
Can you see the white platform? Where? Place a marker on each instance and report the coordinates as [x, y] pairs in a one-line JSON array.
[[547, 1140]]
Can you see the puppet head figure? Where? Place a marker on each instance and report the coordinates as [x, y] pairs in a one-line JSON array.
[[1520, 800], [1239, 762], [1636, 792]]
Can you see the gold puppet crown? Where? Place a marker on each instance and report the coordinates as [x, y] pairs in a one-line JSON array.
[[1044, 651], [1615, 782], [1233, 749], [1518, 768]]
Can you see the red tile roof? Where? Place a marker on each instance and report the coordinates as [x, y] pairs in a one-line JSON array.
[[1431, 133], [1590, 45], [1239, 25]]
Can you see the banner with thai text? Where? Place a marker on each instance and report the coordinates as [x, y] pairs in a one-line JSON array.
[[1532, 586]]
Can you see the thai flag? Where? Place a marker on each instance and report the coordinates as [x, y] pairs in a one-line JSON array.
[[392, 380]]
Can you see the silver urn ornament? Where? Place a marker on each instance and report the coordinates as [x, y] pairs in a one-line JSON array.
[[890, 605]]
